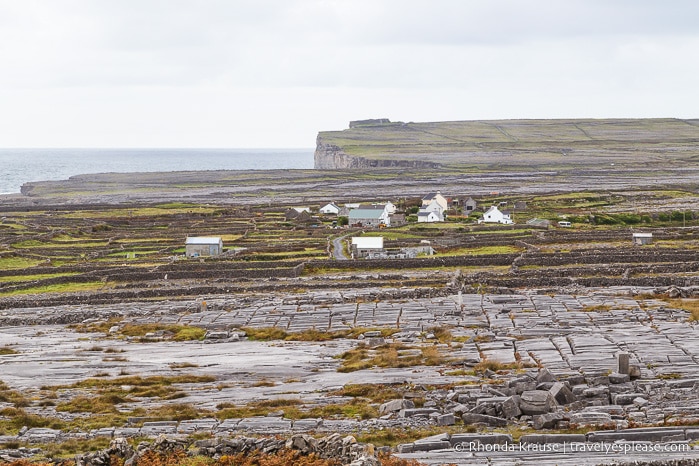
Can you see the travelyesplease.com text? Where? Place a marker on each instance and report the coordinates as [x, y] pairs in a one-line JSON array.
[[606, 448]]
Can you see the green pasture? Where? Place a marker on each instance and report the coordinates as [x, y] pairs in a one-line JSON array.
[[59, 288], [18, 262], [31, 278]]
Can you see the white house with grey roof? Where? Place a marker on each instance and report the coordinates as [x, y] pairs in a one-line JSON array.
[[370, 216], [432, 212], [494, 215], [198, 246], [428, 217]]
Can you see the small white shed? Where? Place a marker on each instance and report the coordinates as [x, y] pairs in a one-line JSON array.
[[639, 239], [368, 242], [197, 246], [363, 246]]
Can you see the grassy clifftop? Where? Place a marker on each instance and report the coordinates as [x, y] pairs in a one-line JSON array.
[[510, 143]]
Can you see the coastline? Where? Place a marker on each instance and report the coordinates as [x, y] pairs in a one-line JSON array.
[[297, 186]]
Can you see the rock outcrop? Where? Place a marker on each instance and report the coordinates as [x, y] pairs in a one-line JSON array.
[[332, 157]]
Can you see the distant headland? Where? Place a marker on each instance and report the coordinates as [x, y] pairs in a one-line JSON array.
[[381, 143]]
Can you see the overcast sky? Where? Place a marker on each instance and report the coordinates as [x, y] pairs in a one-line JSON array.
[[272, 73]]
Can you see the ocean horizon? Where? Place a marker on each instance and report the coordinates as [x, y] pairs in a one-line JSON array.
[[19, 166]]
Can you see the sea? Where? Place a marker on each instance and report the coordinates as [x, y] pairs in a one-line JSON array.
[[18, 166]]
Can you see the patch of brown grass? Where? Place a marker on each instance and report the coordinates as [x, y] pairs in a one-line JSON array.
[[390, 355], [597, 308], [690, 305], [312, 334], [497, 366], [378, 393]]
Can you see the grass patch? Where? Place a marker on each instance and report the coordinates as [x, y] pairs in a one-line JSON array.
[[60, 288], [688, 304], [393, 437], [173, 331], [482, 251], [13, 419], [264, 383], [276, 333], [461, 372], [95, 327], [131, 387], [392, 355], [293, 409], [444, 335], [176, 412], [289, 406], [670, 376], [31, 278], [98, 405], [7, 263], [265, 333], [497, 366], [597, 308], [72, 447], [11, 396], [355, 409], [5, 350], [378, 393]]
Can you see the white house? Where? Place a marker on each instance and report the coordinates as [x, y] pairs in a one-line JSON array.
[[494, 215], [441, 200], [196, 246], [428, 217], [435, 209], [330, 209], [370, 216]]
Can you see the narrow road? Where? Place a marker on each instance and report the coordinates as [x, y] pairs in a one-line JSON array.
[[338, 250]]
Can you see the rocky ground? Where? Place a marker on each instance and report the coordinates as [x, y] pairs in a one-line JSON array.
[[542, 369]]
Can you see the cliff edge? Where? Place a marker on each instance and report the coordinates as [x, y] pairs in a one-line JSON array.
[[347, 149], [509, 144]]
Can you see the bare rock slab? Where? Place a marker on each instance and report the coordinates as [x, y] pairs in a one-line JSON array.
[[534, 402], [562, 394], [473, 418], [395, 405]]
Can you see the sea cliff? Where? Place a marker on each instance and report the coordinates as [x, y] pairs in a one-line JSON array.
[[329, 156], [509, 144]]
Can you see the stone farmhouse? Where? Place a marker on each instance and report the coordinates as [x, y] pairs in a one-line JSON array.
[[470, 206]]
